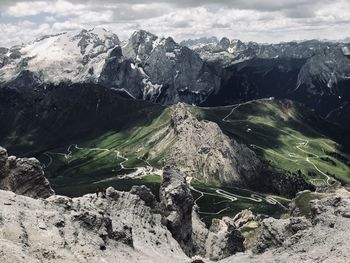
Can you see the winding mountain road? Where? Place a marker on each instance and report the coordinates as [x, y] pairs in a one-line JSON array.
[[231, 197], [68, 155], [293, 157]]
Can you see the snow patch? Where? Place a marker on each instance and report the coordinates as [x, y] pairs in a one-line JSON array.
[[151, 90], [170, 54], [231, 50]]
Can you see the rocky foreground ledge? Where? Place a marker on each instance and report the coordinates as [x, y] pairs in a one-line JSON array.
[[122, 227], [126, 227], [135, 227], [322, 237], [23, 176]]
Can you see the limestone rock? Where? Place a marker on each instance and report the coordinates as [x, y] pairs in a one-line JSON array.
[[200, 149], [176, 201], [221, 240], [145, 194], [323, 238], [85, 229], [23, 176], [243, 218]]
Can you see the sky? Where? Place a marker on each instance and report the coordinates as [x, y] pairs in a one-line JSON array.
[[249, 20]]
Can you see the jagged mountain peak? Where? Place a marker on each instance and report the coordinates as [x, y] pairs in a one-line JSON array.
[[199, 42], [142, 35], [192, 145], [139, 45], [346, 40], [96, 33], [224, 41]]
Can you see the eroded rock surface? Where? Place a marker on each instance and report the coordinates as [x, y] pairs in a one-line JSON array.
[[118, 228], [221, 240], [176, 202], [201, 149], [322, 238], [23, 176]]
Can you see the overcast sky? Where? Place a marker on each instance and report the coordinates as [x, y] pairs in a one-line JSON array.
[[256, 20]]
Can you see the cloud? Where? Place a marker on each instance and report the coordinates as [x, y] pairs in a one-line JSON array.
[[25, 9], [256, 20], [50, 19]]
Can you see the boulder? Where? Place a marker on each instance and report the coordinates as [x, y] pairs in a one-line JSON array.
[[23, 176], [145, 194]]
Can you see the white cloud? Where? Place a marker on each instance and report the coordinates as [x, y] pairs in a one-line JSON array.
[[256, 20], [32, 8], [22, 32], [65, 26], [50, 19], [26, 9]]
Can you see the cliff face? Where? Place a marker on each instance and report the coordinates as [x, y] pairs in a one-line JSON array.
[[323, 237], [176, 203], [200, 149], [23, 176], [221, 240], [122, 226]]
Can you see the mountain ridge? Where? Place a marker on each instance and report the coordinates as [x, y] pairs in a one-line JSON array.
[[223, 72]]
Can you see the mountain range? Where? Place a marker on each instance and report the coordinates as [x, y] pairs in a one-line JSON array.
[[205, 72], [149, 149]]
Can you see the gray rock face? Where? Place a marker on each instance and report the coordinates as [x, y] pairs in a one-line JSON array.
[[200, 149], [127, 226], [273, 234], [323, 238], [327, 67], [145, 194], [244, 218], [140, 45], [231, 239], [249, 226], [23, 176], [221, 240], [118, 228], [119, 72], [176, 202], [171, 72]]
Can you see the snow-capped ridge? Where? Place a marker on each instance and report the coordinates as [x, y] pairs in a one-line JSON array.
[[68, 56]]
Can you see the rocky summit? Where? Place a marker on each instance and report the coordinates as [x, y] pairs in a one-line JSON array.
[[200, 149], [136, 227]]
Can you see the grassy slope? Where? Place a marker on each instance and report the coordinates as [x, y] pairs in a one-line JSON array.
[[276, 128], [93, 163], [273, 129], [209, 204]]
